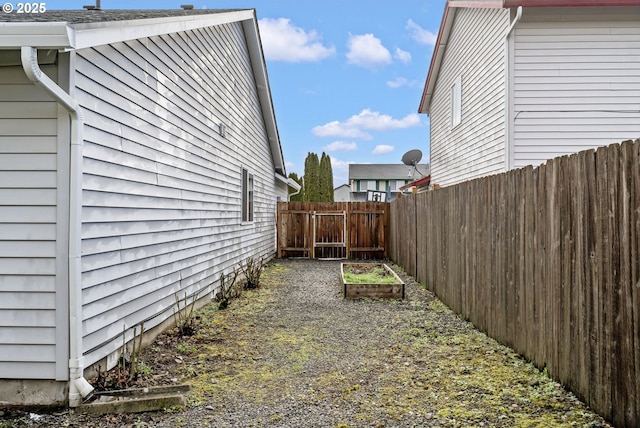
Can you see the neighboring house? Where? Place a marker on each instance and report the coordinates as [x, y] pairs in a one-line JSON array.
[[142, 164], [418, 186], [385, 178], [516, 82], [342, 193]]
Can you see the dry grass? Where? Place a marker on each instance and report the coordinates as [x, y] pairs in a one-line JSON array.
[[295, 353]]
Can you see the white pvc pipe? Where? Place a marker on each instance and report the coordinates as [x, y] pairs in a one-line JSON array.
[[507, 62], [78, 385]]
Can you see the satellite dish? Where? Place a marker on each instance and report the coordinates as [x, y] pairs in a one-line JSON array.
[[411, 158]]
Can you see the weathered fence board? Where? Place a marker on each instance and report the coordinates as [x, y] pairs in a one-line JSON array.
[[547, 261], [357, 230]]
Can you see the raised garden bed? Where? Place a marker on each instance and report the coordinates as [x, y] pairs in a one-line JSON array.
[[370, 280]]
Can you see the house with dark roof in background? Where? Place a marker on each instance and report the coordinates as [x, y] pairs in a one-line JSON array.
[[516, 82], [139, 161]]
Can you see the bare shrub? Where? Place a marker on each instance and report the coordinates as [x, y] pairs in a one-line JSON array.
[[252, 271]]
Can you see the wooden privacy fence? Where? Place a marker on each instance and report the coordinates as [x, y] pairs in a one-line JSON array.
[[547, 261], [333, 230]]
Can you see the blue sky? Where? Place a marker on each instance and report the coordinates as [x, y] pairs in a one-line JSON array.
[[346, 76]]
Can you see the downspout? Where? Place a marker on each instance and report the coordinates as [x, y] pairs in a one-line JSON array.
[[293, 184], [79, 388], [508, 105]]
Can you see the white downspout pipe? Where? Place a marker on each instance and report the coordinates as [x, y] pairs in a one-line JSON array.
[[78, 385], [293, 184], [508, 104]]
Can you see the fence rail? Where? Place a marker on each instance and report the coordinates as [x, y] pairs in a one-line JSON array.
[[354, 230], [547, 261]]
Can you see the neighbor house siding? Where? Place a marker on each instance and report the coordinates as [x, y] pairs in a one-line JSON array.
[[476, 54], [162, 199], [577, 81], [31, 272]]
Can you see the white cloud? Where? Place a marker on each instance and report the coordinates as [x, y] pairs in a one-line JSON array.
[[402, 56], [283, 41], [339, 164], [341, 146], [382, 149], [375, 121], [398, 82], [420, 35], [366, 120], [340, 170], [366, 51], [338, 129]]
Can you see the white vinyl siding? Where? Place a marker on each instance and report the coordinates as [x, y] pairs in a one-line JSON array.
[[577, 81], [456, 103], [28, 210], [162, 190], [476, 54]]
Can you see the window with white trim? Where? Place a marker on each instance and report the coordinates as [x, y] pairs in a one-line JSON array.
[[371, 185], [456, 102], [247, 195]]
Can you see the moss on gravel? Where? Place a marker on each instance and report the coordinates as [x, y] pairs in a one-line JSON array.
[[432, 366], [295, 353]]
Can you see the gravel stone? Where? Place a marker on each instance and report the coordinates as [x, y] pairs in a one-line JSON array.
[[295, 353]]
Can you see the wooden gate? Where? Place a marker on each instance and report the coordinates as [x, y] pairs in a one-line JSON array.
[[337, 230]]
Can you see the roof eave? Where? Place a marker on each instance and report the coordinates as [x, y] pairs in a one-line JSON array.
[[570, 3], [436, 58], [442, 40], [60, 35], [259, 67], [449, 15], [420, 182], [102, 33], [41, 35]]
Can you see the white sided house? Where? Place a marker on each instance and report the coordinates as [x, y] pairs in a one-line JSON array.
[[139, 160], [516, 82]]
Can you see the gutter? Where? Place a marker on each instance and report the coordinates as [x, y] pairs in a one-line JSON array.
[[436, 59], [259, 68], [507, 79], [79, 388], [570, 3]]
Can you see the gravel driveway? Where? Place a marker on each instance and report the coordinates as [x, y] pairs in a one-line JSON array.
[[294, 353]]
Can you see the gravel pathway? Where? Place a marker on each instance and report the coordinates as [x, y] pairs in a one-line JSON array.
[[294, 353]]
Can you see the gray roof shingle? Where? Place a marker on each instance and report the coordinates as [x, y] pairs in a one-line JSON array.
[[89, 16], [381, 171]]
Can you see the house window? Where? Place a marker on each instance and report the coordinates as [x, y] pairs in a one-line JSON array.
[[247, 195], [456, 102], [367, 185], [395, 184]]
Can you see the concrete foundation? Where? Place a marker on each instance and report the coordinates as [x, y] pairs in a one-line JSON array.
[[33, 393]]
